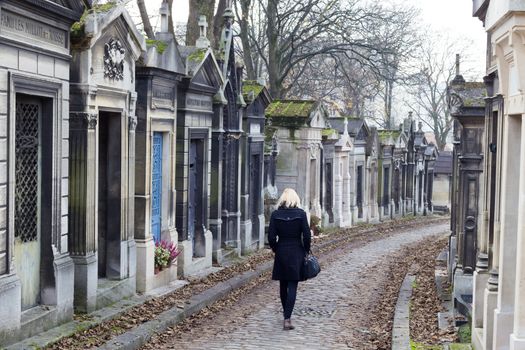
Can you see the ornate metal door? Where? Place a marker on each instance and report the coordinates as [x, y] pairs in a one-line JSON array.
[[156, 186], [386, 190], [192, 190], [255, 194], [27, 199], [359, 191], [329, 193]]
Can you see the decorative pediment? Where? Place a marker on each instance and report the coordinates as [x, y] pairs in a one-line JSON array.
[[115, 25], [207, 73]]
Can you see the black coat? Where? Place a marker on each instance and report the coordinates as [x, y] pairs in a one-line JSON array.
[[289, 237]]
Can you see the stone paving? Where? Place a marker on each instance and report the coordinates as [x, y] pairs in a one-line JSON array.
[[328, 308]]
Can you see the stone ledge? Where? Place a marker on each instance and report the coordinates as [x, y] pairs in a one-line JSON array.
[[401, 327]]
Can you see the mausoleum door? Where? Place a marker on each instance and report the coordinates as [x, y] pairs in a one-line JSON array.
[[329, 193], [195, 197], [386, 189], [28, 197], [359, 192], [255, 194], [109, 194], [156, 186]]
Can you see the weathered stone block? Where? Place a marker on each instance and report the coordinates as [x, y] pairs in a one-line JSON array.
[[46, 65], [3, 194], [61, 69], [3, 122], [10, 289], [3, 79], [3, 104], [145, 270], [3, 173], [28, 61], [3, 221], [8, 57]]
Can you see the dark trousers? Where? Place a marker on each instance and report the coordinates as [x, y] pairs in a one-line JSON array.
[[288, 293]]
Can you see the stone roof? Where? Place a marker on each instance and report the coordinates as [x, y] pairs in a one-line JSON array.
[[466, 97], [384, 135], [251, 90], [290, 108], [354, 124], [443, 163], [193, 57]]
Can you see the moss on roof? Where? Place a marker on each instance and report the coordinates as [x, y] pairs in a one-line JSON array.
[[77, 29], [329, 131], [290, 108], [161, 46], [197, 55], [385, 134], [251, 89]]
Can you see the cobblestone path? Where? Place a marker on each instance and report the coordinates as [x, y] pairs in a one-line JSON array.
[[328, 309]]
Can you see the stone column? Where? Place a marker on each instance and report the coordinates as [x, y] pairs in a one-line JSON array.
[[130, 200], [215, 221], [518, 336], [504, 314], [82, 208]]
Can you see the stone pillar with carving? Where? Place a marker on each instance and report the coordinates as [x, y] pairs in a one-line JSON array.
[[82, 208]]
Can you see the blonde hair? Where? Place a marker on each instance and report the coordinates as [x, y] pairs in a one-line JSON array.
[[289, 199]]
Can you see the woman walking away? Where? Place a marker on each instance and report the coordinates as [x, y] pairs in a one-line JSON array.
[[289, 238]]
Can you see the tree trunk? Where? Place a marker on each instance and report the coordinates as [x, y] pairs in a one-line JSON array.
[[145, 19], [171, 27], [199, 8], [273, 57], [218, 22], [245, 40]]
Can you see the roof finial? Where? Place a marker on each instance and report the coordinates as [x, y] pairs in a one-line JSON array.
[[164, 13], [202, 41], [458, 79], [457, 65], [420, 126], [346, 127]]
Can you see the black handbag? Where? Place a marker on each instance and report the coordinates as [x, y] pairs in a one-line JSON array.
[[311, 267]]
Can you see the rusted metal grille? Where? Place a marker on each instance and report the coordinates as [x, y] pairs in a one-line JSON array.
[[26, 165]]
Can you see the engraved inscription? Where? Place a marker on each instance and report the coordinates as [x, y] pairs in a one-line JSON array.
[[16, 24], [197, 102]]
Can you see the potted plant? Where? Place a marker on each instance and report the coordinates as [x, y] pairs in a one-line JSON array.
[[165, 254]]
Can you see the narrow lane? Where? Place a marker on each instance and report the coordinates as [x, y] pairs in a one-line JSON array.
[[330, 309]]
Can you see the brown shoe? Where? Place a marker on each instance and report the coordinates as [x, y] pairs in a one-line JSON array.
[[287, 325]]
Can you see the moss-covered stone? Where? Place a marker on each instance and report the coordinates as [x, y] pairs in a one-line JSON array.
[[251, 89], [77, 29], [290, 108], [161, 46], [197, 55]]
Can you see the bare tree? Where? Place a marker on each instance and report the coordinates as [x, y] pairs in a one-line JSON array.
[[428, 93]]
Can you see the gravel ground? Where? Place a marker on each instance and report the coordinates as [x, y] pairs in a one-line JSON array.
[[349, 305]]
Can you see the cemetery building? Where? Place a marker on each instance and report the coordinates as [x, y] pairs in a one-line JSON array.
[[337, 157], [298, 126], [387, 141], [409, 130], [226, 156], [358, 132], [257, 98], [442, 182], [399, 175], [105, 47], [498, 308], [372, 175], [157, 76], [197, 184], [467, 106], [36, 271]]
